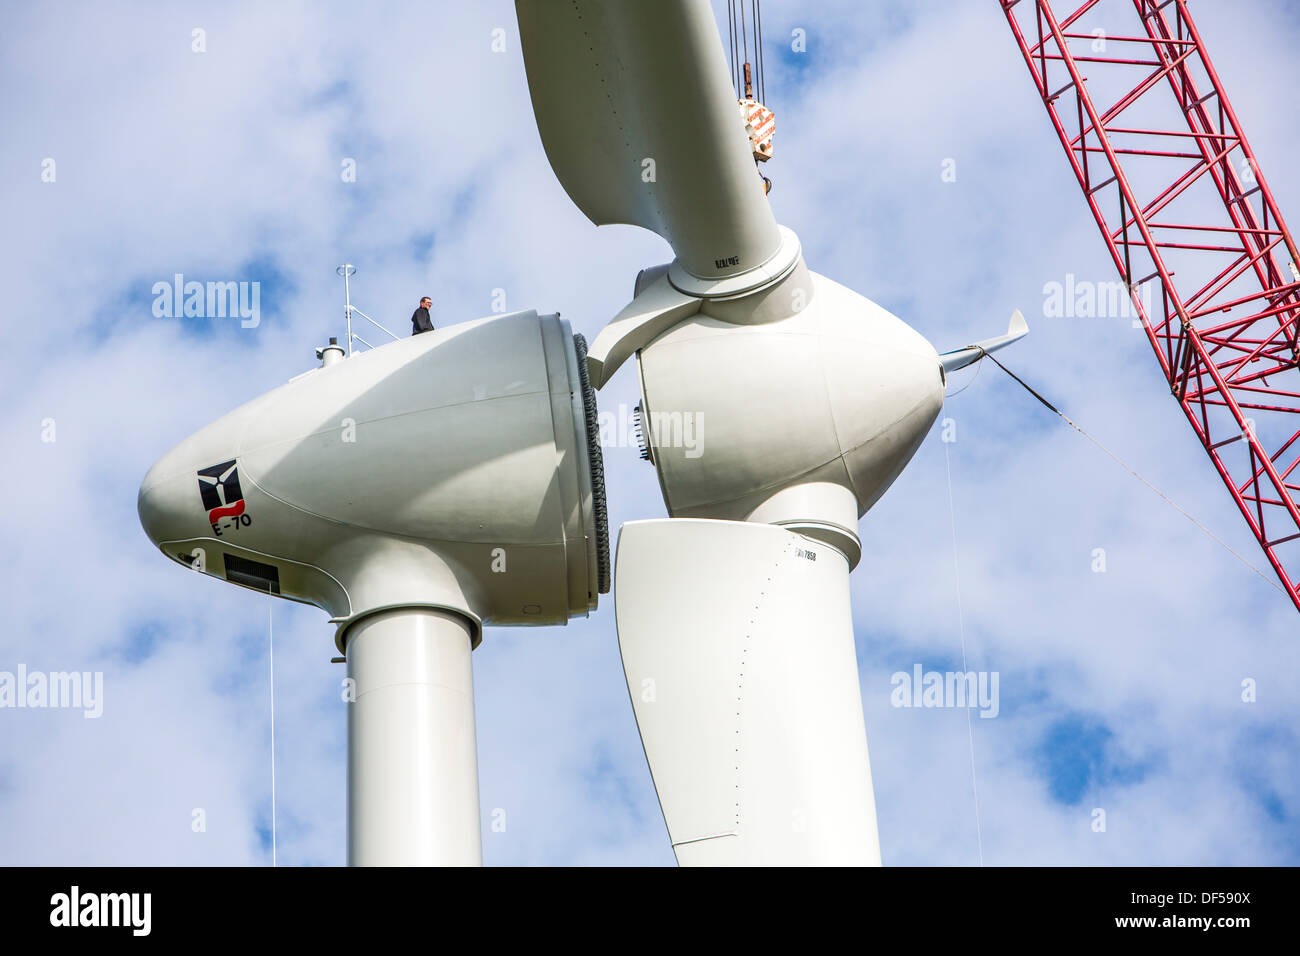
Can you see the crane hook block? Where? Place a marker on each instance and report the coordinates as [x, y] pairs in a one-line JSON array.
[[760, 124]]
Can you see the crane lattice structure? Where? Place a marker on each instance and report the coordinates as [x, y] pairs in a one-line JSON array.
[[1183, 205]]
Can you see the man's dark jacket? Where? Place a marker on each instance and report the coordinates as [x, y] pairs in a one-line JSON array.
[[420, 321]]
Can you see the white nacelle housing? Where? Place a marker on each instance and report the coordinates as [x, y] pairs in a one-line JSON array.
[[457, 469]]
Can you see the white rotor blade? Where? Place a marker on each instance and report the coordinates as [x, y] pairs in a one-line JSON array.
[[1017, 329], [737, 643], [641, 125]]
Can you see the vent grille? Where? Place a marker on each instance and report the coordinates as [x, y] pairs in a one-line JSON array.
[[252, 574]]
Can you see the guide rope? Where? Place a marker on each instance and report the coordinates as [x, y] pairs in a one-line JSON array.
[[1119, 461], [270, 642]]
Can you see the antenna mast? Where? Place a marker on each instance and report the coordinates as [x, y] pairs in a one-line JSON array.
[[347, 271]]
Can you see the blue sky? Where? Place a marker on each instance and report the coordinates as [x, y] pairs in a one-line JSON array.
[[1119, 690]]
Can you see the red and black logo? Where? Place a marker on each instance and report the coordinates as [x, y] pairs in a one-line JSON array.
[[219, 486]]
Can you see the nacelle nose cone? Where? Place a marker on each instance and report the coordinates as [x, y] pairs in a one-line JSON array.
[[159, 505], [194, 485], [151, 506]]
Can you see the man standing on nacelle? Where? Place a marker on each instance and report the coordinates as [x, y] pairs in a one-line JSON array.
[[420, 320]]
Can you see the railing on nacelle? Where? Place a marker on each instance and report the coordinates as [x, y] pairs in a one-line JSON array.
[[353, 335], [347, 271]]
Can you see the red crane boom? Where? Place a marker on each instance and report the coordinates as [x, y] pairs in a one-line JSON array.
[[1174, 186]]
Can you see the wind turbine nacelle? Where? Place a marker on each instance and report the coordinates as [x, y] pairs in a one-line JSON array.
[[459, 469], [802, 422]]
